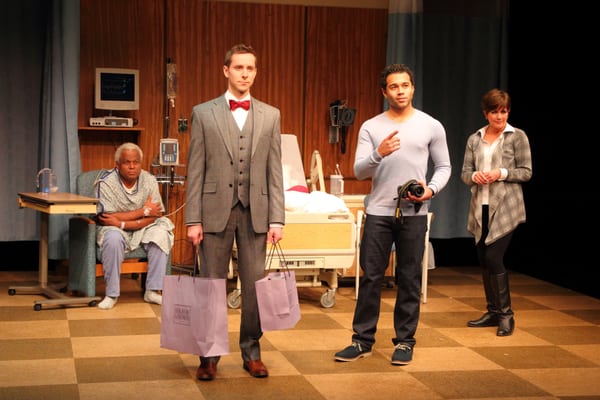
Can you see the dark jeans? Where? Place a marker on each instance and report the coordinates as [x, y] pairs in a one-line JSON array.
[[408, 237]]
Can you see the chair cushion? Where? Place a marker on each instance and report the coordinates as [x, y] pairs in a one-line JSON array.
[[137, 253]]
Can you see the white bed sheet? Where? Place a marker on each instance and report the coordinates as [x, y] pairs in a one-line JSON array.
[[314, 202]]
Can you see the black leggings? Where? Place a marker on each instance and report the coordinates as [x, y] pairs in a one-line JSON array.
[[491, 257]]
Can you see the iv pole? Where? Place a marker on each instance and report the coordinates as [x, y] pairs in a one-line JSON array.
[[165, 178]]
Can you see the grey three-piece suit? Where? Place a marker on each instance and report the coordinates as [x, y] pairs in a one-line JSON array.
[[235, 189]]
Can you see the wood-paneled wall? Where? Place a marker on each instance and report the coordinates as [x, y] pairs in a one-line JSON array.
[[308, 57]]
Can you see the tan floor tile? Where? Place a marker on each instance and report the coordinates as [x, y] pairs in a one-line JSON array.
[[474, 290], [591, 316], [311, 362], [476, 337], [317, 321], [50, 392], [541, 289], [478, 384], [517, 278], [130, 368], [298, 339], [383, 338], [549, 397], [294, 387], [519, 303], [386, 319], [588, 351], [427, 337], [455, 319], [34, 329], [568, 302], [551, 318], [124, 345], [114, 327], [276, 363], [446, 304], [233, 321], [180, 389], [520, 357], [344, 319], [37, 372], [371, 386], [26, 313], [522, 303], [588, 334], [457, 359], [122, 309], [564, 381], [32, 349]]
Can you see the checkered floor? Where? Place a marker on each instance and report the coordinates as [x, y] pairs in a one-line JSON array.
[[81, 352]]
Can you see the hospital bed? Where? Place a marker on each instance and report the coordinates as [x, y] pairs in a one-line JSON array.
[[319, 237]]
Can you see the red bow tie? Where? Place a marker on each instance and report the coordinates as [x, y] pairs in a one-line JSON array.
[[235, 104]]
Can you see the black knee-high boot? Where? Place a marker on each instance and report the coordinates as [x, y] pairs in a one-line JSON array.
[[506, 319], [490, 318]]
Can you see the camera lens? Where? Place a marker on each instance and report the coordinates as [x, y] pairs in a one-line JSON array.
[[416, 190]]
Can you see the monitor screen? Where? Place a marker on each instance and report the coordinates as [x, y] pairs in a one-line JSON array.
[[117, 89]]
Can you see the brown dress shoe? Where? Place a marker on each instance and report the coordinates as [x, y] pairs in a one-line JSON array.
[[206, 371], [256, 368]]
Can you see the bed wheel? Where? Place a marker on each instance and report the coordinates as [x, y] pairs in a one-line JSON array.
[[234, 298], [328, 298]]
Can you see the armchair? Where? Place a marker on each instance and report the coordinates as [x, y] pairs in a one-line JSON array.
[[84, 254]]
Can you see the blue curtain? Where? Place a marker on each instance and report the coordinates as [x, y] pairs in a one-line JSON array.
[[40, 47], [458, 51], [60, 104], [405, 40]]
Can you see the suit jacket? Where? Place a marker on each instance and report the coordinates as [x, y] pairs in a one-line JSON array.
[[211, 167]]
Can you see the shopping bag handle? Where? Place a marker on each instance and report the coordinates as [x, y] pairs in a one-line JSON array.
[[276, 250], [196, 270]]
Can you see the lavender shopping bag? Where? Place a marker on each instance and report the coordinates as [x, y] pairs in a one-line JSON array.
[[194, 315], [277, 297]]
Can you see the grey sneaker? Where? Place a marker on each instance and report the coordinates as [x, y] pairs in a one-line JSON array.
[[402, 354], [352, 352]]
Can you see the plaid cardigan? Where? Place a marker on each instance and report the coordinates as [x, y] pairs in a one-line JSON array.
[[506, 203]]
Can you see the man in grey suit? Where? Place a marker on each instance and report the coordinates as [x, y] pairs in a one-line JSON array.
[[235, 192]]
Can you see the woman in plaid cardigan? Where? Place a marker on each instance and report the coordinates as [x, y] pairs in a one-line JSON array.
[[497, 161]]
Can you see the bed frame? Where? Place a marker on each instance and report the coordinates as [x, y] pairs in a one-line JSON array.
[[317, 246]]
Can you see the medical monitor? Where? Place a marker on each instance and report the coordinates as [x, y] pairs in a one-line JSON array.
[[117, 89]]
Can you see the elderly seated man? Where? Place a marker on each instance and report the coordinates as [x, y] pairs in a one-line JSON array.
[[130, 215]]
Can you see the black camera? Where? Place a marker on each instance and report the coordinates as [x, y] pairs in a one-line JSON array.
[[411, 187]]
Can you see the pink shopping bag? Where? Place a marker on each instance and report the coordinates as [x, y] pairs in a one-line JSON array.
[[277, 297], [194, 315]]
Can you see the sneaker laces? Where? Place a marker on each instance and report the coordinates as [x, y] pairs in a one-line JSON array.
[[357, 346], [403, 347]]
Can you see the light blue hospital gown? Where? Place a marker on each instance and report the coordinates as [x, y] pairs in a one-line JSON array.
[[115, 197]]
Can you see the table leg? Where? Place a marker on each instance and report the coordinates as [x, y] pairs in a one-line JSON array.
[[55, 297]]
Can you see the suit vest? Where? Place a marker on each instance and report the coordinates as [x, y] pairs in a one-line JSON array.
[[241, 141]]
